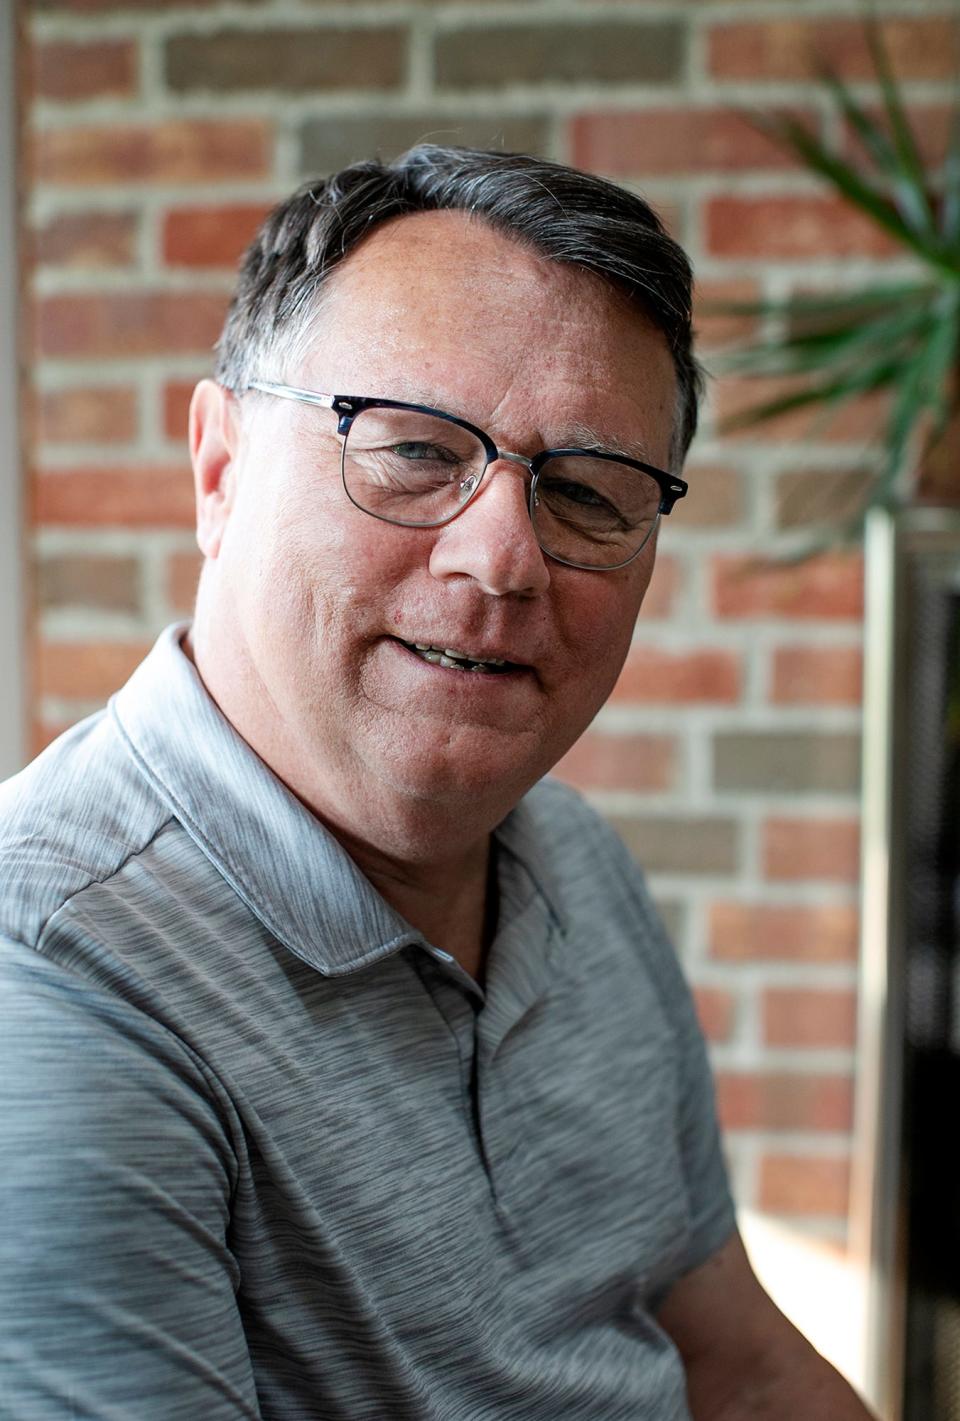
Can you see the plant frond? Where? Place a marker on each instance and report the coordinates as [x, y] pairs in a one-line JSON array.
[[846, 180], [909, 193], [811, 304], [834, 344], [950, 208], [834, 392], [901, 339], [907, 148], [919, 393]]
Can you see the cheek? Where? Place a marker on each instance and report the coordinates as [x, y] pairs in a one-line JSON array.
[[346, 576], [600, 622]]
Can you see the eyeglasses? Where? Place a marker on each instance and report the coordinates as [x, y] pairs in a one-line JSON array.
[[420, 467]]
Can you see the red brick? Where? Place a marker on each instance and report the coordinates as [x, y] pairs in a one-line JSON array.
[[818, 675], [44, 733], [652, 674], [930, 124], [829, 586], [97, 414], [671, 140], [673, 215], [145, 496], [631, 762], [783, 1101], [183, 570], [81, 240], [663, 589], [773, 932], [211, 236], [129, 323], [811, 1184], [715, 499], [789, 228], [177, 395], [716, 1010], [94, 7], [85, 670], [715, 326], [856, 421], [67, 69], [798, 849], [921, 47], [793, 1016], [821, 498], [175, 151]]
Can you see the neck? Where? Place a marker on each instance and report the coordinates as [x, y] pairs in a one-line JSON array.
[[421, 855], [452, 901]]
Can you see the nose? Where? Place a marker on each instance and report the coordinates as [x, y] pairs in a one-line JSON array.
[[492, 541]]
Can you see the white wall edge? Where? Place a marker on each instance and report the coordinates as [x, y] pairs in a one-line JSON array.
[[13, 717]]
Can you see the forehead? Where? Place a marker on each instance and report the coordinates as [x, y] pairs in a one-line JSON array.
[[440, 308], [444, 260], [459, 246]]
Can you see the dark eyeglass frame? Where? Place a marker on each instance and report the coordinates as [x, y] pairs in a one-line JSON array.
[[347, 407]]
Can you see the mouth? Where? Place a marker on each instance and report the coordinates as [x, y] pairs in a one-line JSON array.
[[454, 659]]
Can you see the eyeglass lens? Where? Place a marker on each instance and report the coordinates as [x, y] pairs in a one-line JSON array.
[[416, 469]]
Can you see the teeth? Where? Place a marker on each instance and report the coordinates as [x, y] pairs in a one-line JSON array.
[[486, 661], [454, 659]]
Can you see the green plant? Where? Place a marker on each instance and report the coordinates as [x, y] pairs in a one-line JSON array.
[[899, 337]]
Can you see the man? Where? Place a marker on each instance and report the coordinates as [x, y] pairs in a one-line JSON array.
[[348, 1074]]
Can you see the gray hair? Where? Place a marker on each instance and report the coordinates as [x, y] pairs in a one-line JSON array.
[[564, 215]]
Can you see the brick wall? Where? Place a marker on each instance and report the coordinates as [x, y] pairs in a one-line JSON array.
[[160, 132]]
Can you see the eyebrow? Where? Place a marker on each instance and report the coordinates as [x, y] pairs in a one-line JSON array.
[[585, 437], [578, 434]]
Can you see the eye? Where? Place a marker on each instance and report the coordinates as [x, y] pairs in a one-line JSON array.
[[419, 451], [573, 501], [577, 493]]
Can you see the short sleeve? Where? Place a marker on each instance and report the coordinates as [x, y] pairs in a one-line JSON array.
[[712, 1214], [117, 1286], [709, 1202]]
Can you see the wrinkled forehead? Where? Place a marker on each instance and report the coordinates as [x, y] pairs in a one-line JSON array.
[[452, 266], [441, 309], [464, 247]]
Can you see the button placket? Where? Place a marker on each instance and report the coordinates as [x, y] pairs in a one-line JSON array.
[[447, 993]]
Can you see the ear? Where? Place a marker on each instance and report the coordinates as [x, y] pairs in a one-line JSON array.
[[214, 447]]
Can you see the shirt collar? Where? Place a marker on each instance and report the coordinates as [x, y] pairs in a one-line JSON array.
[[267, 845]]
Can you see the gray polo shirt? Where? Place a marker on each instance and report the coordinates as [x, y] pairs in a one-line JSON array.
[[267, 1153]]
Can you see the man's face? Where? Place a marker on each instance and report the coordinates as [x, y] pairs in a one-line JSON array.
[[320, 604]]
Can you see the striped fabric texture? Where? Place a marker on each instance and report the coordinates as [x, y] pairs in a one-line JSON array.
[[269, 1154]]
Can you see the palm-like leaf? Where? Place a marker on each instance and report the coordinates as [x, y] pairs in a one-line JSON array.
[[900, 337]]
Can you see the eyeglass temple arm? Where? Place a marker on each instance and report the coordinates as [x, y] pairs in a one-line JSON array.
[[292, 392], [671, 494]]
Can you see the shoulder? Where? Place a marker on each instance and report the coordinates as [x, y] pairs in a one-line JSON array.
[[587, 857], [591, 877], [564, 823], [72, 819], [93, 871]]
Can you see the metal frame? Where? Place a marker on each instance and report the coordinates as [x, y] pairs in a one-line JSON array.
[[875, 1176], [349, 407], [894, 542], [13, 700]]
